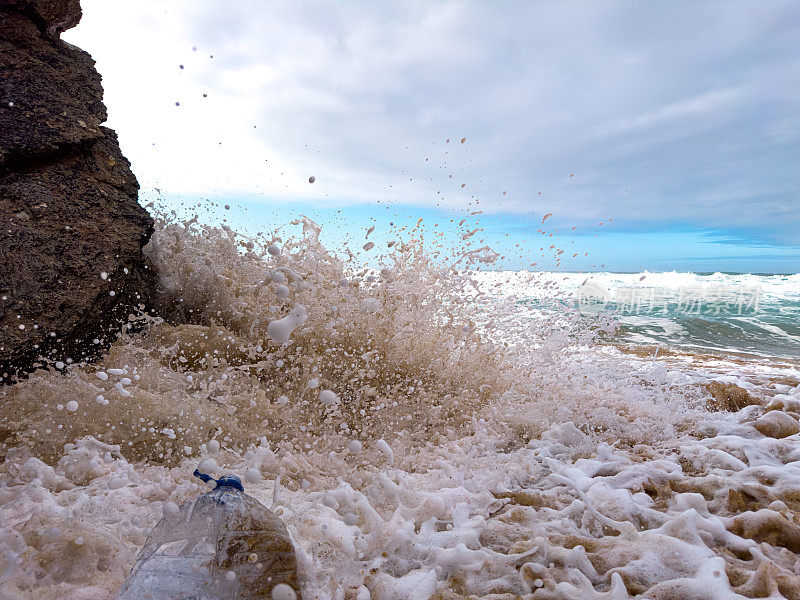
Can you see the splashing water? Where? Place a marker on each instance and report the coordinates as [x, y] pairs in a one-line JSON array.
[[415, 429]]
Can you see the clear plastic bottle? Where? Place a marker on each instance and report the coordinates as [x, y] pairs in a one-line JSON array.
[[224, 545]]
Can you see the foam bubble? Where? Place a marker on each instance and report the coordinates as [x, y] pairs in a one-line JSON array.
[[208, 466], [283, 591], [328, 397], [170, 510], [252, 475], [280, 329]]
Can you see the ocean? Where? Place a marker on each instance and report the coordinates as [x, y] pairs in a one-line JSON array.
[[522, 434], [757, 315]]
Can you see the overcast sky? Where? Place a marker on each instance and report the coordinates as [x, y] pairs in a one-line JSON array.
[[667, 116]]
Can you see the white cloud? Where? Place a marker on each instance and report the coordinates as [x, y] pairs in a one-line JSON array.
[[698, 106], [656, 107]]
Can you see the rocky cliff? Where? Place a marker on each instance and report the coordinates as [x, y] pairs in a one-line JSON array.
[[71, 265]]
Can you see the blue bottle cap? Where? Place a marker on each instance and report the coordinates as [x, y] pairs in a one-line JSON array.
[[230, 481], [226, 480]]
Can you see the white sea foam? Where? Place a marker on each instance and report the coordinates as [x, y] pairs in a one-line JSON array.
[[469, 449]]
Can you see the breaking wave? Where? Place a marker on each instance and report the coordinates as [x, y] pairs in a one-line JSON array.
[[484, 451]]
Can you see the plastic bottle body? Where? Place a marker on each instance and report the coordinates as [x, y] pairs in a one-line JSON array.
[[224, 545]]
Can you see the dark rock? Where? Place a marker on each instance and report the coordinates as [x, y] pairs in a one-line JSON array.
[[50, 100], [50, 16], [68, 200], [64, 225]]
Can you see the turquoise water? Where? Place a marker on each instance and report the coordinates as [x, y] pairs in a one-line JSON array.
[[757, 314], [748, 313], [773, 332]]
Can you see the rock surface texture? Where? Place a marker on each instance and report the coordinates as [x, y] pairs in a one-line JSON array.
[[71, 265]]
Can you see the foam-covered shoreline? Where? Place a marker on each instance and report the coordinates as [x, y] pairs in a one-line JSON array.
[[562, 517]]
